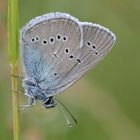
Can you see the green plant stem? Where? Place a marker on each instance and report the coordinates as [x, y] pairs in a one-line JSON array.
[[15, 102], [13, 50]]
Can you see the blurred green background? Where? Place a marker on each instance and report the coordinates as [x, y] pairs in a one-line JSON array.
[[106, 101]]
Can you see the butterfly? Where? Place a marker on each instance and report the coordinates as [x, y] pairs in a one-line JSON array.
[[57, 50]]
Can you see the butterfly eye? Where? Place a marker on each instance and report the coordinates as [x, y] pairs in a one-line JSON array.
[[49, 103], [44, 42]]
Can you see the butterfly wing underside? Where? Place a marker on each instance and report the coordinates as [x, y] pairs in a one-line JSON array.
[[97, 42], [46, 46], [59, 50]]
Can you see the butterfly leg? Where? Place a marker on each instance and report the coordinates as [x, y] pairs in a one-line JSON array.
[[19, 77], [31, 103]]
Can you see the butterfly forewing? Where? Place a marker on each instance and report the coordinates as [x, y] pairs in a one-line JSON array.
[[47, 47]]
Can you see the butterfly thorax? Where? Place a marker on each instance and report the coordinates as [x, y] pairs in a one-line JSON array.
[[33, 90]]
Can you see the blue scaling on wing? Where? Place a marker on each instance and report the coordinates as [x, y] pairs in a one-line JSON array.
[[36, 68]]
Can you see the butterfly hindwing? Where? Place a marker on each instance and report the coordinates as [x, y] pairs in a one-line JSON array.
[[97, 42]]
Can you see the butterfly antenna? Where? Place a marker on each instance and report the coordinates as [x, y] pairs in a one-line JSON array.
[[68, 121]]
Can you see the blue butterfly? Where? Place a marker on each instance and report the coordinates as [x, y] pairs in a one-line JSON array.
[[57, 50]]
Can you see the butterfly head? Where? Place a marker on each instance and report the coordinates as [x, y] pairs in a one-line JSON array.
[[49, 103], [33, 90]]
